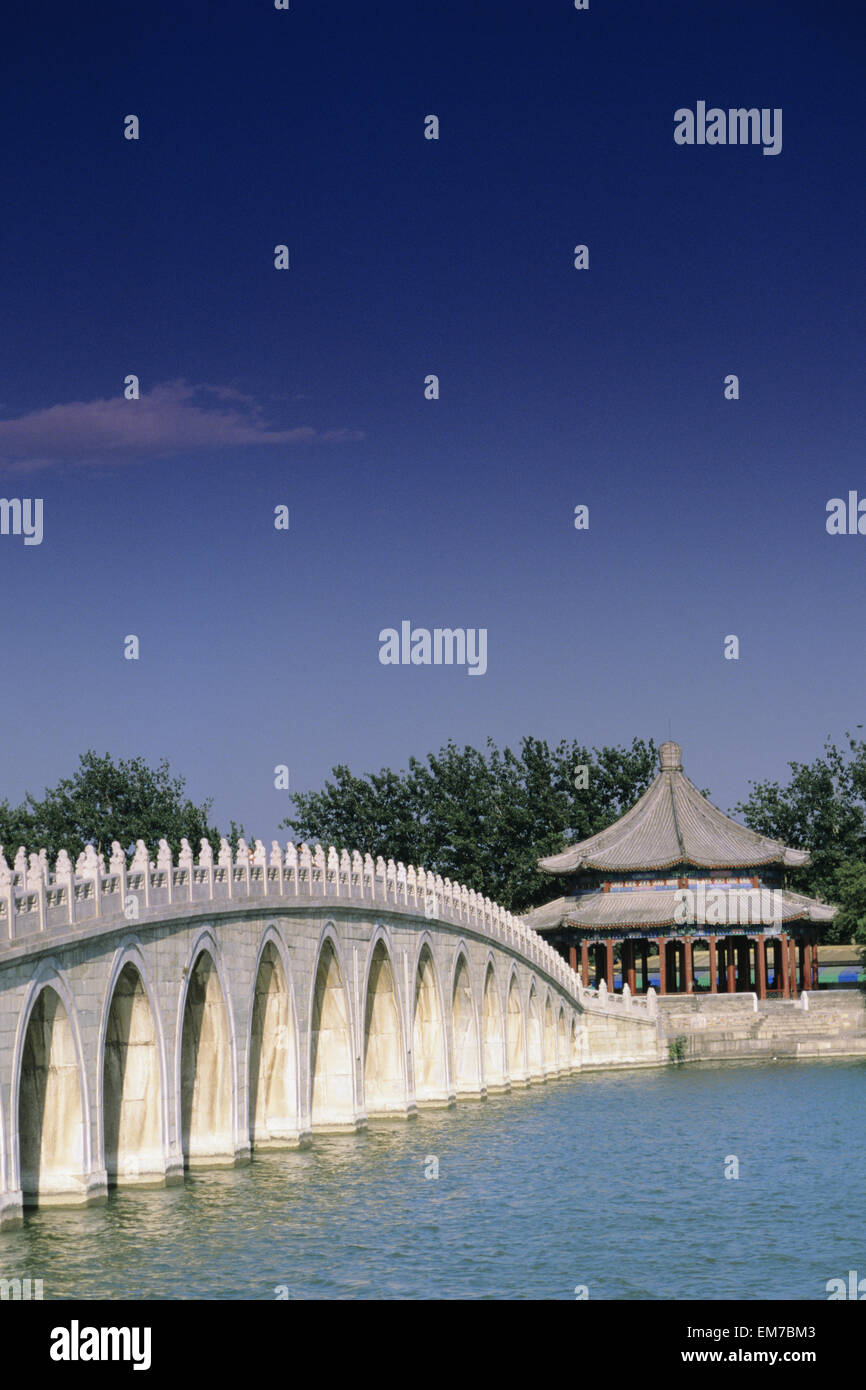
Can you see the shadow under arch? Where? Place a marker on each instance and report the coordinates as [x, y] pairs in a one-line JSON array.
[[493, 1033], [534, 1043], [51, 1102], [549, 1038], [428, 1033], [332, 1070], [576, 1042], [383, 1050], [515, 1032], [206, 1071], [4, 1171], [274, 1097], [132, 1082], [465, 1025], [563, 1059]]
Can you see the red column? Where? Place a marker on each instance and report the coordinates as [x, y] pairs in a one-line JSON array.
[[744, 965], [671, 966], [663, 977], [689, 967], [629, 950], [815, 975], [730, 957], [714, 981], [644, 966], [572, 957], [584, 962], [608, 964], [786, 979], [801, 952], [762, 967], [792, 965], [805, 965]]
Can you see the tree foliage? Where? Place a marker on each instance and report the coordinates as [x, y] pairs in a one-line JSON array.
[[822, 808], [480, 818], [106, 800]]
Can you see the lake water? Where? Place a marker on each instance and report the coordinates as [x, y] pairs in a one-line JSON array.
[[614, 1181]]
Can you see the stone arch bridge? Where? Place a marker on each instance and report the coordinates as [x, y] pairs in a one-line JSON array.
[[158, 1015]]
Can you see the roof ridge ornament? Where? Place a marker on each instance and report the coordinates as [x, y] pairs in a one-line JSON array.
[[670, 757]]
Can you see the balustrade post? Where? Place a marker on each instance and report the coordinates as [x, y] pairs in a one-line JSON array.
[[64, 875], [10, 908]]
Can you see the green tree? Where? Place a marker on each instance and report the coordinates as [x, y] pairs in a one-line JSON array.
[[851, 897], [822, 809], [480, 818], [106, 800]]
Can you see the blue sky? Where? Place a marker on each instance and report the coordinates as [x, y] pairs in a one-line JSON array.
[[305, 387]]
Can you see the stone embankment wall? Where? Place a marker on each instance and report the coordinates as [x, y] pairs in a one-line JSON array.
[[610, 1042], [829, 1023]]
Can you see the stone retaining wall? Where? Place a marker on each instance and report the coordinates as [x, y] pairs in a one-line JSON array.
[[739, 1026]]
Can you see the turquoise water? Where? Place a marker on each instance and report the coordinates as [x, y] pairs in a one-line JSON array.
[[614, 1181]]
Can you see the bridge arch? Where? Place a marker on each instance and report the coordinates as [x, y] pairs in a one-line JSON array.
[[273, 1100], [383, 1045], [576, 1043], [4, 1173], [331, 1050], [493, 1031], [429, 1045], [549, 1037], [563, 1060], [53, 1162], [131, 1074], [534, 1040], [515, 1031], [206, 1059], [465, 1026]]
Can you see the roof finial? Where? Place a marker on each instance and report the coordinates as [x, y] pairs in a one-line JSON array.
[[671, 757]]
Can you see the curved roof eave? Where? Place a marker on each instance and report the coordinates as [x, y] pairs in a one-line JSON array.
[[672, 823]]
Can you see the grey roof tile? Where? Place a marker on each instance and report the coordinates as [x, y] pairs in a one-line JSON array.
[[672, 823]]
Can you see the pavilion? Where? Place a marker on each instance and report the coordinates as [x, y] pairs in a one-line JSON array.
[[674, 876]]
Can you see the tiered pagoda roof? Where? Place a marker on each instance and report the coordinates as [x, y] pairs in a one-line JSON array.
[[671, 825]]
